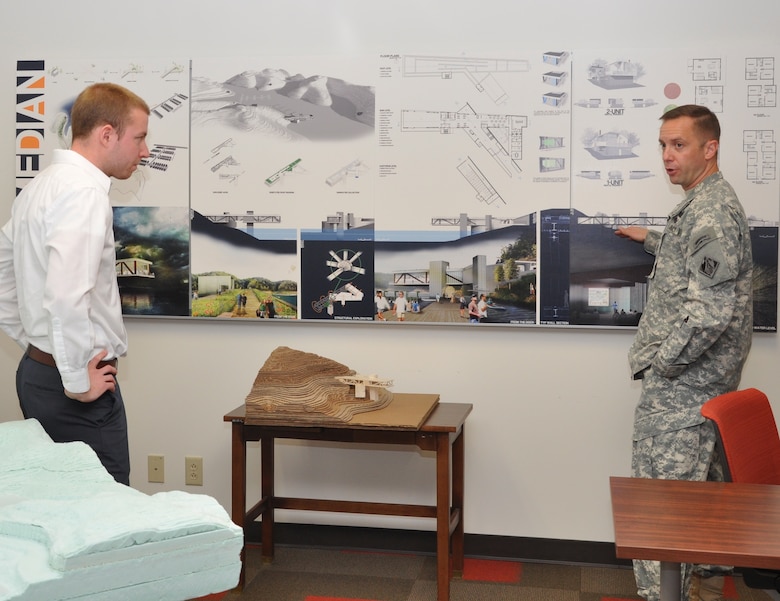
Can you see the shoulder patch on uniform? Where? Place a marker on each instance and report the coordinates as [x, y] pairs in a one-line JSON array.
[[702, 239], [709, 267]]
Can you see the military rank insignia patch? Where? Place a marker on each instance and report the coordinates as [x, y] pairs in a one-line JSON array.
[[709, 267]]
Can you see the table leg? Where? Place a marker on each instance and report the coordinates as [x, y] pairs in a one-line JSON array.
[[458, 479], [238, 493], [267, 493], [443, 478], [671, 581]]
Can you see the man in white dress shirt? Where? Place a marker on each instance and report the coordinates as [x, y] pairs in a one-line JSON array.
[[59, 298]]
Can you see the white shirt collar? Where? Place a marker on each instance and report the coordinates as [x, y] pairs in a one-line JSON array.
[[74, 158]]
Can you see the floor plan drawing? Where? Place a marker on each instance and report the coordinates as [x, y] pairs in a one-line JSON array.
[[483, 118], [761, 154], [706, 69], [711, 97], [480, 71], [707, 75], [482, 187], [501, 136], [760, 75]]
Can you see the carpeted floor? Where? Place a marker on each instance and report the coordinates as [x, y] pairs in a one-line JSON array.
[[312, 574]]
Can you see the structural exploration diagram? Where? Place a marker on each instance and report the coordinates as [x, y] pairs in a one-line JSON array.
[[289, 168], [351, 171], [344, 265]]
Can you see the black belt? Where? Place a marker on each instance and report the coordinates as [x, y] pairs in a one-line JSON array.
[[36, 354]]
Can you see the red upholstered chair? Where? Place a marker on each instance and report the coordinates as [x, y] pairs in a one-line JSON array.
[[749, 442]]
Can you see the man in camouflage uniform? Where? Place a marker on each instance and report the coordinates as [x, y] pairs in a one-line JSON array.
[[695, 332]]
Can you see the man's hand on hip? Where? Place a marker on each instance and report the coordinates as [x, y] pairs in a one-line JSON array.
[[101, 380]]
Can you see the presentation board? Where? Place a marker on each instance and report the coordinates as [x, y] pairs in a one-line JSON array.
[[297, 187]]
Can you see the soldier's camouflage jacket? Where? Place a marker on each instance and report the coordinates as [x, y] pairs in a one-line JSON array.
[[697, 324]]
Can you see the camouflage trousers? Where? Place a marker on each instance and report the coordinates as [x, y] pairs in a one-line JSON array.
[[686, 454]]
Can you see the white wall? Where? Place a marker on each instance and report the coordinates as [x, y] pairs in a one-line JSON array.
[[552, 407]]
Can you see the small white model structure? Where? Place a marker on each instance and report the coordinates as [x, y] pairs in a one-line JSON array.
[[344, 263], [362, 383], [348, 292]]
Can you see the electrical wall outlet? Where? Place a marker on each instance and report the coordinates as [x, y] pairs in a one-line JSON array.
[[156, 468], [193, 470]]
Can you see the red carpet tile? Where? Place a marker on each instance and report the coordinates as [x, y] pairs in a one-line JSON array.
[[487, 570], [315, 598]]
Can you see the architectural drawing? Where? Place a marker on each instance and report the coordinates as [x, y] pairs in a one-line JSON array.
[[762, 90], [555, 78], [555, 57], [353, 170], [308, 178], [342, 222], [132, 69], [480, 71], [249, 219], [711, 97], [275, 102], [710, 93], [343, 294], [611, 144], [554, 98], [175, 69], [289, 168], [468, 226], [501, 136], [615, 75], [547, 164], [484, 190], [345, 265], [706, 69], [228, 161], [171, 104], [160, 157], [760, 150]]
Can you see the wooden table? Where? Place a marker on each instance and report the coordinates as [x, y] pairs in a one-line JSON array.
[[674, 522], [442, 432]]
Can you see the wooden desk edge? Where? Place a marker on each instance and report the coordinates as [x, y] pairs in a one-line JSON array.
[[682, 553]]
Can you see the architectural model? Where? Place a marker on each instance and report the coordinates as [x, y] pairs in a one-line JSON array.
[[294, 386]]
